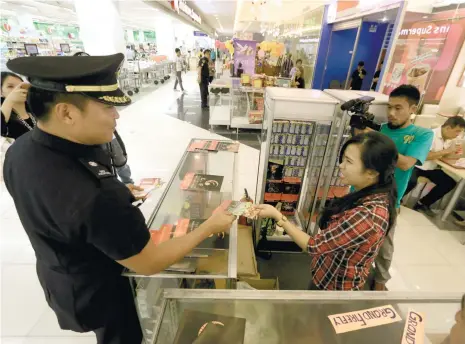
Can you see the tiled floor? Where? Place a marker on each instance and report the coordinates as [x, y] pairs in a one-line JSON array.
[[426, 259]]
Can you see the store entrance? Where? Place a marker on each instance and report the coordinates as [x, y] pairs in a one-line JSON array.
[[339, 58]]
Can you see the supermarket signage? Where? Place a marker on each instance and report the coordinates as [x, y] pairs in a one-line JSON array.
[[200, 34], [181, 5], [414, 329], [428, 30], [353, 321]]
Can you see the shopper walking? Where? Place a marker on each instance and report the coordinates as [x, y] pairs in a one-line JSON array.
[[179, 66], [16, 116], [287, 66], [78, 216], [357, 77], [376, 77], [352, 227], [203, 77]]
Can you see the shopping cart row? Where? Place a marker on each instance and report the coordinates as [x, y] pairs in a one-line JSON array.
[[137, 74]]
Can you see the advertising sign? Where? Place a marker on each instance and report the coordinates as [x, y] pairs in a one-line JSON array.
[[200, 34], [244, 54], [425, 53]]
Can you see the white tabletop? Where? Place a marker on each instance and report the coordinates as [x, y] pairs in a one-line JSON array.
[[456, 171], [346, 95], [300, 95]]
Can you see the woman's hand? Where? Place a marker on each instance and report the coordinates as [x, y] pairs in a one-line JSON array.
[[268, 211], [19, 94], [136, 191]]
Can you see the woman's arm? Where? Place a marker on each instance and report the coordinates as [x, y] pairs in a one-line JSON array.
[[7, 108]]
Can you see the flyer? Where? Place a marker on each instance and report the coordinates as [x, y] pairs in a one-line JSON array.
[[201, 182]]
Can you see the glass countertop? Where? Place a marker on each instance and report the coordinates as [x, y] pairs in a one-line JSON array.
[[274, 317], [201, 183]]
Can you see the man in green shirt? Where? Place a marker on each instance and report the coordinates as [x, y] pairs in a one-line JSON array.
[[413, 144]]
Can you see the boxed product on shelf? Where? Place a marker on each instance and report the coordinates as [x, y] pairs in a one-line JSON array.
[[275, 170], [255, 116], [273, 191]]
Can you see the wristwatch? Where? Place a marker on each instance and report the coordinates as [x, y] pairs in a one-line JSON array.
[[281, 222]]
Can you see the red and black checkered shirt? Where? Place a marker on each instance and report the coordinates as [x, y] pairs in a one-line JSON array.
[[344, 251]]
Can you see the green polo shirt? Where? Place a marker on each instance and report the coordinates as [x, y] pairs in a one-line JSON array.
[[411, 141]]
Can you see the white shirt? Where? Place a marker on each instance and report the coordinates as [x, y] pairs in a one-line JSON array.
[[438, 145], [179, 62]]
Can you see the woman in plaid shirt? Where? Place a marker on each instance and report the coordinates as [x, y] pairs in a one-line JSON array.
[[352, 227]]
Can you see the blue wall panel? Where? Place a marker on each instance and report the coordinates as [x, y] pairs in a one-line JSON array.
[[339, 56], [368, 49]]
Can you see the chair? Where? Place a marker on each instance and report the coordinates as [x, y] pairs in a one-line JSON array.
[[420, 180], [425, 121]]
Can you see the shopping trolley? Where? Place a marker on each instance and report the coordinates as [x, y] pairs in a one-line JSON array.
[[129, 78]]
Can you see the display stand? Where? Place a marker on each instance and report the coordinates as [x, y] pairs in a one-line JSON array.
[[301, 135], [179, 211], [244, 105], [378, 107], [302, 316], [220, 102]]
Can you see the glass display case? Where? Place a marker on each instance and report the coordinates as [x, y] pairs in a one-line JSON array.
[[220, 101], [275, 317], [202, 181], [247, 106], [301, 135]]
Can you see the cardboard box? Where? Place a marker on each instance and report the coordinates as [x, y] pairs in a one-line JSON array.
[[262, 284]]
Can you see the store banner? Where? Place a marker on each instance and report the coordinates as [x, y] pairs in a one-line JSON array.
[[244, 54], [425, 52]]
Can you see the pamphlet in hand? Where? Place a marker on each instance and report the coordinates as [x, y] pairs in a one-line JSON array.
[[148, 184]]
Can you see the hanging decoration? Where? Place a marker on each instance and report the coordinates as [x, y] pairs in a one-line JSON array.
[[49, 30], [71, 35], [6, 27]]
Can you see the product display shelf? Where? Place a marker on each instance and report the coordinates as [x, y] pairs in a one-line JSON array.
[[261, 316], [242, 98], [220, 102], [178, 210], [299, 133], [181, 210]]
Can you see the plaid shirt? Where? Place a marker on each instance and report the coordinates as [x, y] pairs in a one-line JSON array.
[[344, 251]]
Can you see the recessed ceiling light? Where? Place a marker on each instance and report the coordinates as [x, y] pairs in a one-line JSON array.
[[425, 17]]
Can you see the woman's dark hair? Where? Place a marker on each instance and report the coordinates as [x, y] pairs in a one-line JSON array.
[[379, 153], [81, 53], [5, 75]]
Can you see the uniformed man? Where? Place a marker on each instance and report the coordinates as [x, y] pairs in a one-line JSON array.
[[78, 216], [203, 77]]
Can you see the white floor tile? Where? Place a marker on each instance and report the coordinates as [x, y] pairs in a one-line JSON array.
[[23, 301], [433, 278]]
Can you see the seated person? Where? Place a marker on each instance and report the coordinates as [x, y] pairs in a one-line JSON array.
[[443, 147], [352, 227]]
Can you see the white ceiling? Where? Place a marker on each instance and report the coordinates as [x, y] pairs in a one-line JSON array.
[[134, 13], [386, 16], [219, 14], [252, 16]]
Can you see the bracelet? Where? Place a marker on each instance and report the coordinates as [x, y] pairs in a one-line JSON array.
[[280, 223]]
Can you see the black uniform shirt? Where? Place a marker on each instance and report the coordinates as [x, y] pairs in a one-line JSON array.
[[204, 72], [79, 219], [357, 81]]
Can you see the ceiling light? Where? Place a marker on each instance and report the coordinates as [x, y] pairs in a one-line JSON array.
[[385, 19], [425, 17]]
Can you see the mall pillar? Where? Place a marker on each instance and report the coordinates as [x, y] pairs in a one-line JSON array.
[[100, 26], [166, 41]]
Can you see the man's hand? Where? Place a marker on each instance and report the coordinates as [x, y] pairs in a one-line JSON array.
[[219, 222], [135, 190]]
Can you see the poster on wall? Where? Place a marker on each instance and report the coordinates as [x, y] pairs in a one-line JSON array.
[[425, 53], [244, 55]]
